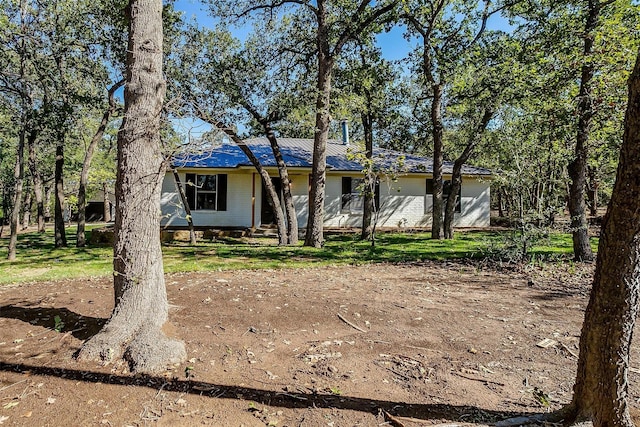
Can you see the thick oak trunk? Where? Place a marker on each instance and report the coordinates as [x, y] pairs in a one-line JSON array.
[[438, 160], [287, 198], [314, 236], [141, 309], [58, 215], [315, 223], [26, 210], [86, 164], [18, 176], [578, 166], [456, 175], [369, 207], [601, 389], [37, 181]]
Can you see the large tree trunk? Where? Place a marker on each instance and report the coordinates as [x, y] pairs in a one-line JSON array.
[[26, 210], [578, 166], [456, 176], [18, 175], [18, 172], [185, 204], [367, 232], [438, 160], [86, 164], [37, 181], [601, 388], [59, 225], [289, 207], [141, 309], [315, 223]]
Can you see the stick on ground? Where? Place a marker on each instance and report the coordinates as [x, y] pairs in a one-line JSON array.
[[351, 324]]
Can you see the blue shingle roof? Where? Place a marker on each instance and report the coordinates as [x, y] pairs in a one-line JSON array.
[[299, 153]]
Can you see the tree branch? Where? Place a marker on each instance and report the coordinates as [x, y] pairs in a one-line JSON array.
[[274, 5]]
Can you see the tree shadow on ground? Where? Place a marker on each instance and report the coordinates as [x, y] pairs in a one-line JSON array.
[[55, 318], [459, 413]]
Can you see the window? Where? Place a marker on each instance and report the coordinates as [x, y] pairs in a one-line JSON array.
[[353, 195], [446, 191], [352, 199], [207, 192]]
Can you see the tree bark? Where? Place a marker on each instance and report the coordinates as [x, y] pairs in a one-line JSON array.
[[47, 202], [592, 193], [18, 172], [289, 207], [18, 175], [367, 232], [315, 223], [26, 210], [86, 164], [59, 225], [456, 176], [438, 160], [106, 203], [601, 388], [37, 181], [134, 330], [187, 208], [578, 166]]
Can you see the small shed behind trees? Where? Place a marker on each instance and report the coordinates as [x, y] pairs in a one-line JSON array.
[[224, 191]]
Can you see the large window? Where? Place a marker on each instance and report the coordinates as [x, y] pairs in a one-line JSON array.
[[352, 199], [446, 192], [207, 192], [353, 195]]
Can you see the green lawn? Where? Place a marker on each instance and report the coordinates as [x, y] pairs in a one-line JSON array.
[[38, 260]]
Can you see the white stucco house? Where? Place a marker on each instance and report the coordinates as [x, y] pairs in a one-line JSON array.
[[227, 191]]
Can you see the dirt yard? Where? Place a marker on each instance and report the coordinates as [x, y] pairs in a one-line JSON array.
[[399, 345]]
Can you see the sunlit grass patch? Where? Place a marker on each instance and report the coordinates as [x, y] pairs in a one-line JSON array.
[[38, 260]]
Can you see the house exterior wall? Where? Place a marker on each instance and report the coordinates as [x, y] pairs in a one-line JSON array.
[[403, 203], [238, 213]]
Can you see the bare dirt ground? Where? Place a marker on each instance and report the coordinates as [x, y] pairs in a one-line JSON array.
[[401, 345]]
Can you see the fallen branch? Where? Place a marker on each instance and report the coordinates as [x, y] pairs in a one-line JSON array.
[[568, 350], [11, 385], [478, 379], [354, 326], [395, 422]]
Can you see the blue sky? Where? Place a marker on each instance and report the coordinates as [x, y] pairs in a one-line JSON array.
[[393, 46]]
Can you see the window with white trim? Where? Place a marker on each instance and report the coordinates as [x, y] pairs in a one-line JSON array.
[[352, 198], [207, 192]]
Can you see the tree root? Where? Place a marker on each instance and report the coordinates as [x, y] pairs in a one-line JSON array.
[[146, 350], [152, 351]]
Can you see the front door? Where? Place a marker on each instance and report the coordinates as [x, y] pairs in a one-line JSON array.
[[266, 211]]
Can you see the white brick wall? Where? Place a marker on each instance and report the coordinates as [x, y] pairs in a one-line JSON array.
[[403, 203], [238, 213]]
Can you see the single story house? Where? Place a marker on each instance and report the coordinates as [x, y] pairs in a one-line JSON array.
[[227, 192]]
